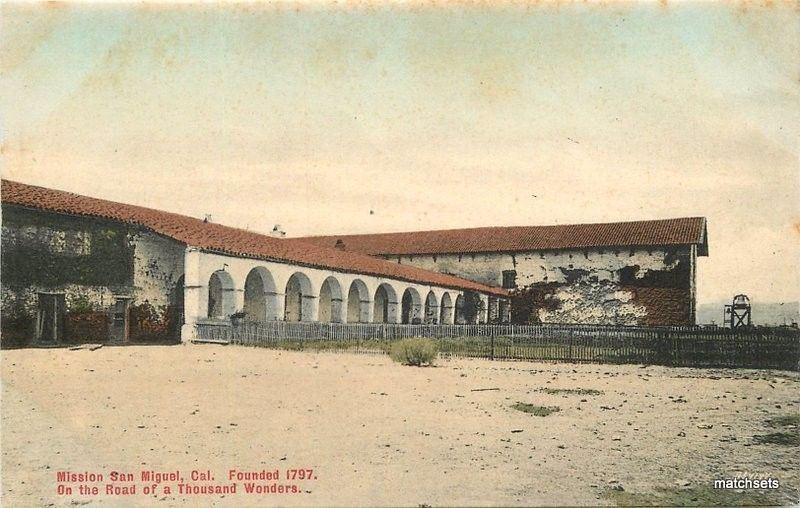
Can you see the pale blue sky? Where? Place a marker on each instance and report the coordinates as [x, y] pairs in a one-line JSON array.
[[433, 117]]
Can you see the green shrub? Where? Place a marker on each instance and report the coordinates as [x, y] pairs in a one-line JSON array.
[[81, 304], [415, 351]]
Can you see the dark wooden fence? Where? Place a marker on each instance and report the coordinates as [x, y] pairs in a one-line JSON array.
[[774, 348]]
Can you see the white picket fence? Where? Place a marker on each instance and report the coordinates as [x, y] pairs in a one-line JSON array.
[[683, 346]]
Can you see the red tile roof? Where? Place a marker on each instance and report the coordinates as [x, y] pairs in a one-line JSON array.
[[228, 240], [684, 231]]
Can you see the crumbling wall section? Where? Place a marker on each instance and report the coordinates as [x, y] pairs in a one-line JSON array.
[[620, 287]]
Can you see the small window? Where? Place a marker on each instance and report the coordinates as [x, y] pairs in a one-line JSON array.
[[509, 279]]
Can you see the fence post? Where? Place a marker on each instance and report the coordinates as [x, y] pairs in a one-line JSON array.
[[664, 349], [571, 340], [492, 355]]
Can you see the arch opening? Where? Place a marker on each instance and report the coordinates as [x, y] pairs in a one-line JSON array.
[[410, 307], [431, 309], [221, 298], [505, 310], [300, 299], [330, 301], [385, 304], [260, 297], [446, 316], [358, 302], [460, 314]]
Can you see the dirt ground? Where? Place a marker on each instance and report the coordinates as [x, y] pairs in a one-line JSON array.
[[377, 433]]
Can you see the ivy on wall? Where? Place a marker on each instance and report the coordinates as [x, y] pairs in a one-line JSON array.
[[45, 251], [86, 326], [18, 325], [30, 260], [472, 306], [151, 324]]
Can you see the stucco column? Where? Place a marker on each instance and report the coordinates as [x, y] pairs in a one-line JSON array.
[[366, 309], [493, 312], [194, 307]]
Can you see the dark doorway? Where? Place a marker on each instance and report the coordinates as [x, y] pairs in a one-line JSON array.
[[50, 322], [119, 319]]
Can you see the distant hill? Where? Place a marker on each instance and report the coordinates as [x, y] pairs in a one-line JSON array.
[[764, 313]]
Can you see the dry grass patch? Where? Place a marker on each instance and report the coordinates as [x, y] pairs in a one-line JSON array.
[[699, 496], [571, 391], [536, 410], [785, 421], [788, 437], [778, 438]]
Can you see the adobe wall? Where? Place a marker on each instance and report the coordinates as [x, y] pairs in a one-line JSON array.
[[639, 286], [90, 261]]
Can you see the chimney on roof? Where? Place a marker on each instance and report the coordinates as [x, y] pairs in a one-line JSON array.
[[277, 232], [340, 244]]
